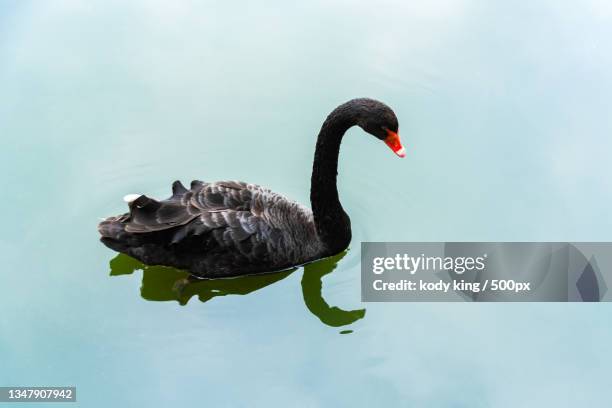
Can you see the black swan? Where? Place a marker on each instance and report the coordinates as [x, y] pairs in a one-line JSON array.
[[232, 228]]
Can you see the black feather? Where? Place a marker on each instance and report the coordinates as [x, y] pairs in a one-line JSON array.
[[214, 229]]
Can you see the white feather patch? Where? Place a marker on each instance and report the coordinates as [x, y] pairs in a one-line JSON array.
[[131, 197]]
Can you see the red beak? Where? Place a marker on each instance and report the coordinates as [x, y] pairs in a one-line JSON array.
[[393, 141]]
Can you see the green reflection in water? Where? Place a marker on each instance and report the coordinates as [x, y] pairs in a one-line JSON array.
[[312, 286], [160, 283]]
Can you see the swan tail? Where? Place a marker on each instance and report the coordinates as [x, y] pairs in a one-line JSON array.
[[143, 232], [143, 247], [113, 234], [116, 231]]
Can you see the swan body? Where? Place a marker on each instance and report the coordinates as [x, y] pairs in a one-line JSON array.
[[216, 229], [231, 228]]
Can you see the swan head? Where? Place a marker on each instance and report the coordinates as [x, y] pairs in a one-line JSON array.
[[379, 120]]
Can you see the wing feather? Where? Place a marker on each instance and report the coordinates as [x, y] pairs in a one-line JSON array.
[[223, 208]]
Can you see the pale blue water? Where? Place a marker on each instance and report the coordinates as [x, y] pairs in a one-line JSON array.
[[504, 109]]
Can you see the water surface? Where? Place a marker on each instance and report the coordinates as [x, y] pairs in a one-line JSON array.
[[505, 112]]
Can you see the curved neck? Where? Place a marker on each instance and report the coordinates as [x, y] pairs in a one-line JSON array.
[[332, 223]]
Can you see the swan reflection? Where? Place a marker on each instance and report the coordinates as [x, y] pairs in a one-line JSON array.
[[160, 283]]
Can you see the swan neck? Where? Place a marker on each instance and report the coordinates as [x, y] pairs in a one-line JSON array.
[[332, 223]]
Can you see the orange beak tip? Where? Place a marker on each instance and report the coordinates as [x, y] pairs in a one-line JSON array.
[[393, 141]]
